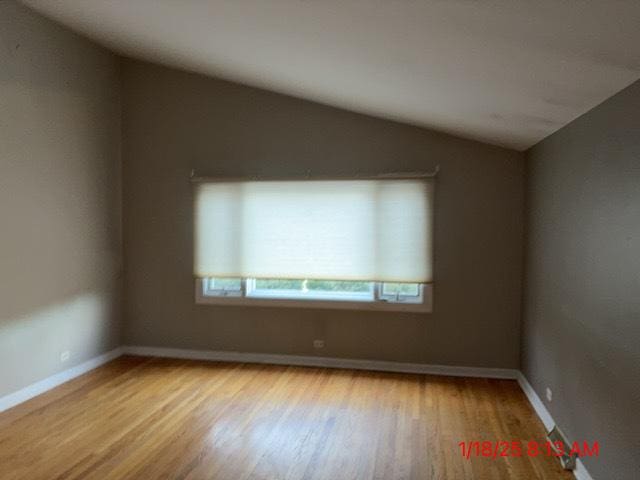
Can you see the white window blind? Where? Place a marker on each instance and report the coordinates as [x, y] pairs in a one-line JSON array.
[[374, 230]]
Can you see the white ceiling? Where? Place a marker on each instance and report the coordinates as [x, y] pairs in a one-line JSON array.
[[508, 72]]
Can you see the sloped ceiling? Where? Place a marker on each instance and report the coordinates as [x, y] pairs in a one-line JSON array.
[[507, 72]]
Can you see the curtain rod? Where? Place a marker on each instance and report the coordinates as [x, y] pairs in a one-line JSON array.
[[383, 176]]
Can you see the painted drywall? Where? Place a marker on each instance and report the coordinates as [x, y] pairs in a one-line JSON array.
[[175, 121], [60, 189], [581, 334]]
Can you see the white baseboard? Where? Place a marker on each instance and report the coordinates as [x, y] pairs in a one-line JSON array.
[[580, 472], [330, 362], [536, 402], [53, 381]]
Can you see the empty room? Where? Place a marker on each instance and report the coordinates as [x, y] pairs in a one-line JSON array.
[[319, 239]]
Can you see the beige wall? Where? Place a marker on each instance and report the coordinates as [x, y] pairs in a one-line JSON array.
[[582, 298], [175, 121], [60, 235]]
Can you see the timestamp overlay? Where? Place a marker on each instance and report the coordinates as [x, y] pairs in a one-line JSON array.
[[494, 449]]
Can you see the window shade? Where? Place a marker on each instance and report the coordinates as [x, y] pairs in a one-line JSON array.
[[374, 230]]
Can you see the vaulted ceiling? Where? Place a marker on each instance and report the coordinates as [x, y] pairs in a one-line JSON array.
[[507, 72]]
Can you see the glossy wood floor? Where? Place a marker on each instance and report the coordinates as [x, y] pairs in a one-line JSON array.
[[146, 419]]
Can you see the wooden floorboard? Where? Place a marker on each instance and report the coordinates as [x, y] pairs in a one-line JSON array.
[[141, 418]]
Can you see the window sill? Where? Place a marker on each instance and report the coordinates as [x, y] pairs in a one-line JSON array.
[[425, 307]]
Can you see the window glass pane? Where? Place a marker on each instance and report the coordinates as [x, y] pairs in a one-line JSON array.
[[409, 289], [278, 284], [224, 284], [311, 289], [312, 285], [338, 286]]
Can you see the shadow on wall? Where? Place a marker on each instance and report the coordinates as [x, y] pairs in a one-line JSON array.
[[59, 164], [30, 290], [59, 198], [31, 344]]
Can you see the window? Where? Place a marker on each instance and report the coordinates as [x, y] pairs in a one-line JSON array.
[[317, 293], [343, 243]]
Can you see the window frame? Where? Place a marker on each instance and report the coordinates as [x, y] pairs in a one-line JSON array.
[[377, 301]]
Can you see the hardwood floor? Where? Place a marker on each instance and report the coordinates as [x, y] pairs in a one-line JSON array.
[[138, 418]]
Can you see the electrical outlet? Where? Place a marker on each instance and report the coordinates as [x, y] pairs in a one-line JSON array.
[[64, 356], [549, 394], [318, 344]]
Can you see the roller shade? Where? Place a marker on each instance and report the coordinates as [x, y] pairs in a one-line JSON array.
[[374, 230]]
